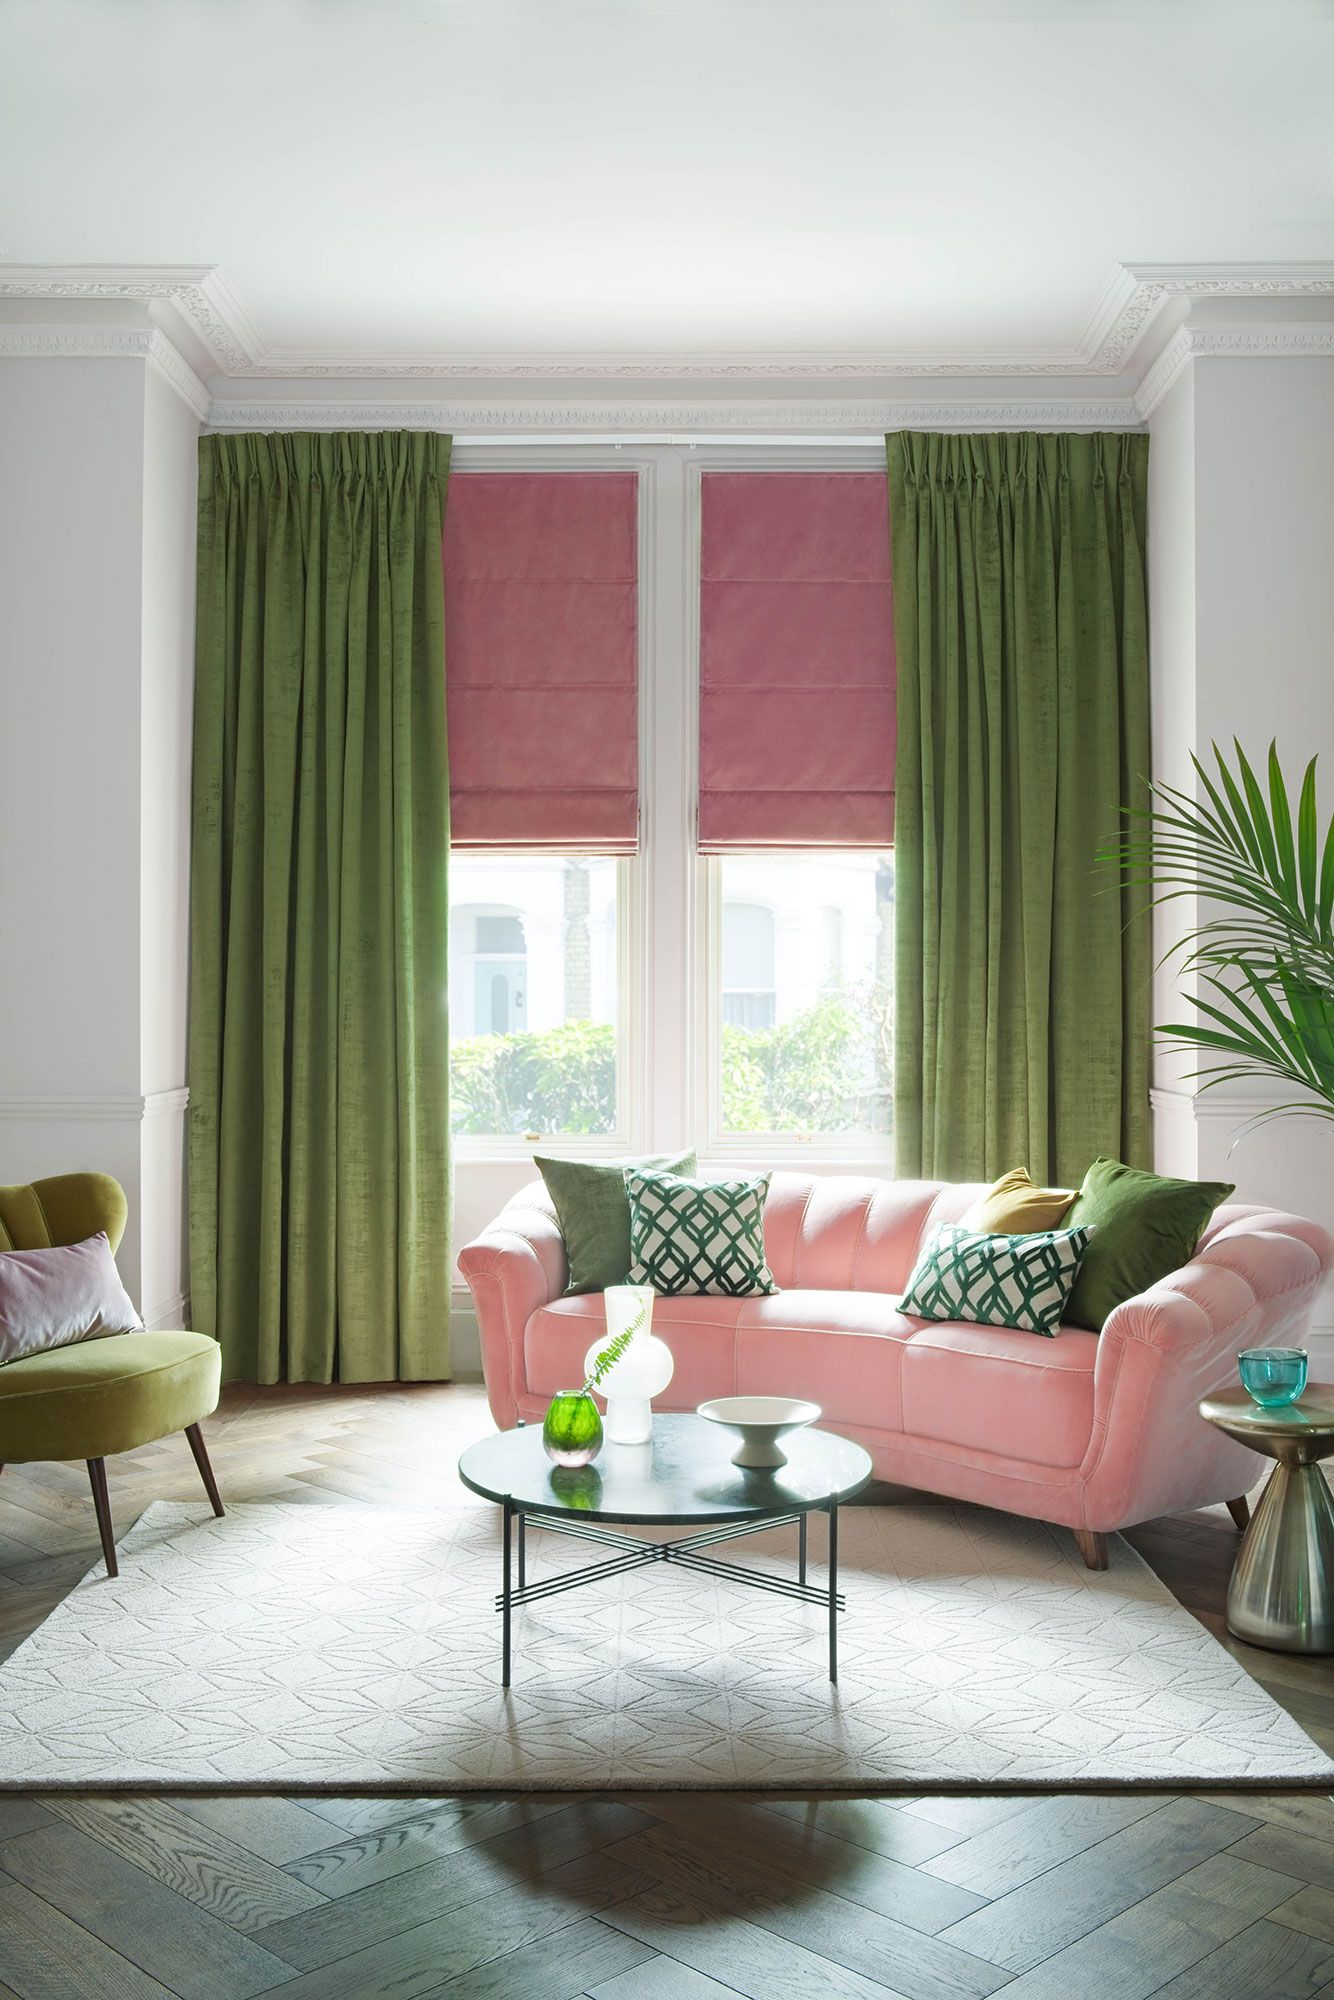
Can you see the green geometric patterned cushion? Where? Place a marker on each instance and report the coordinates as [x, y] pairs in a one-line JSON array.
[[593, 1211], [1015, 1281], [690, 1236]]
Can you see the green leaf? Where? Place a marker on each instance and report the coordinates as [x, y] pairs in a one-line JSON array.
[[1284, 851], [1220, 810], [1259, 819], [1238, 805], [1307, 841], [1326, 909]]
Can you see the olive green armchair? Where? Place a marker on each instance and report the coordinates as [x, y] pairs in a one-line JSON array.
[[98, 1397]]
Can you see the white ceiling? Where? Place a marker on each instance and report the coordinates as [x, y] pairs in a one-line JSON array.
[[636, 180]]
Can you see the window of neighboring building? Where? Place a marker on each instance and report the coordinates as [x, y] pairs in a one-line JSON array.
[[804, 961], [533, 995], [748, 965]]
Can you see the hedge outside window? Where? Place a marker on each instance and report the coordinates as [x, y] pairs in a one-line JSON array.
[[533, 995], [806, 994]]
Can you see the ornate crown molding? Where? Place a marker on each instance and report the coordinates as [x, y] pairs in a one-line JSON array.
[[1153, 286], [652, 368], [198, 292], [109, 343], [1239, 343], [179, 376], [657, 419], [1122, 318], [1131, 301]]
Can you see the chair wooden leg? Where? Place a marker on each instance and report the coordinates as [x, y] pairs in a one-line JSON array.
[[97, 1479], [200, 1450], [1240, 1510], [1092, 1547]]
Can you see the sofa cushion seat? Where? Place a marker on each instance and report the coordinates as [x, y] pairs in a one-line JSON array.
[[105, 1396], [701, 1333], [989, 1389], [840, 1349]]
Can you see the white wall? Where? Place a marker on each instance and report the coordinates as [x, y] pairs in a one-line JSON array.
[[166, 705], [96, 568], [1172, 675], [1241, 523]]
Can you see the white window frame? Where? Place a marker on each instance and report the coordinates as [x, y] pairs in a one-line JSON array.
[[525, 455], [784, 1149], [669, 999], [587, 1145], [779, 1149]]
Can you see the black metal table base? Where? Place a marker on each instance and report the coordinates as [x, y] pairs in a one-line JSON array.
[[633, 1553]]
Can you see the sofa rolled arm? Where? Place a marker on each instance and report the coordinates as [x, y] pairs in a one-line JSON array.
[[1252, 1282], [515, 1266]]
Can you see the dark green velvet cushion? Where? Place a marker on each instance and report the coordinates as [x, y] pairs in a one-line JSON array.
[[593, 1210], [1145, 1228]]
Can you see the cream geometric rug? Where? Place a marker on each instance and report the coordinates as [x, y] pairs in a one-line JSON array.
[[289, 1647]]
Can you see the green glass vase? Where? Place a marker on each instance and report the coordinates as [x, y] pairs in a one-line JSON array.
[[572, 1432]]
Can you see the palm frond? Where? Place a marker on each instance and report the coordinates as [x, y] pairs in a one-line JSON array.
[[1261, 950]]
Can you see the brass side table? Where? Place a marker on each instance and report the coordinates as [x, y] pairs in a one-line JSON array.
[[1282, 1589]]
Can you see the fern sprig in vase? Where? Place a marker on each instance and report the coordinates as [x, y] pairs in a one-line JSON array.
[[572, 1431]]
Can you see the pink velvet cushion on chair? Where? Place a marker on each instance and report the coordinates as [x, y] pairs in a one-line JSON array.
[[52, 1298]]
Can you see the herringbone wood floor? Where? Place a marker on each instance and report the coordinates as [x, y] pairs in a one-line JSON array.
[[658, 1897]]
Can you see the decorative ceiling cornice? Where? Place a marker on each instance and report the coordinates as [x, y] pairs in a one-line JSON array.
[[192, 305], [659, 419], [1228, 343], [178, 375], [198, 292], [109, 343], [1131, 301]]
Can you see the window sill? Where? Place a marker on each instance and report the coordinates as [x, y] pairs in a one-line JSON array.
[[516, 1147]]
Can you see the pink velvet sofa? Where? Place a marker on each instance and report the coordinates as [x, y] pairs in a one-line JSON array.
[[1094, 1431]]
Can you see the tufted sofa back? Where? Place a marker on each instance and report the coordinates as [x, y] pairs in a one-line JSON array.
[[838, 1232]]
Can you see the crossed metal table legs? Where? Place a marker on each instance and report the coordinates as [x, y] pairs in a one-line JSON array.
[[634, 1554]]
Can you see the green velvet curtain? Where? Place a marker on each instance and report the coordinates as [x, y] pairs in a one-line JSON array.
[[319, 1132], [1022, 971]]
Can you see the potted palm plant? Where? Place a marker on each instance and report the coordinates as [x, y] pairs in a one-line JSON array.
[[1261, 955]]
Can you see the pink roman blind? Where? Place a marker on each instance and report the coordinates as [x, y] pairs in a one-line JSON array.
[[541, 676], [796, 724]]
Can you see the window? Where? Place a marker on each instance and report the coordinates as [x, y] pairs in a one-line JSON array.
[[805, 964], [748, 965], [533, 995]]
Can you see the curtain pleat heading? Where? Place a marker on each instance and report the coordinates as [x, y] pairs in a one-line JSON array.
[[543, 685], [319, 1128], [1021, 1028], [796, 697]]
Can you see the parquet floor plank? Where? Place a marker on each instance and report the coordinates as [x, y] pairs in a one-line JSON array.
[[201, 1865], [1160, 1937], [1025, 1926]]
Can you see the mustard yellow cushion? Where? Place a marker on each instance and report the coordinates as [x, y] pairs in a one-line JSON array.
[[1013, 1206], [105, 1396]]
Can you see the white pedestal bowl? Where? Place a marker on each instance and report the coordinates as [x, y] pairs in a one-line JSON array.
[[761, 1421]]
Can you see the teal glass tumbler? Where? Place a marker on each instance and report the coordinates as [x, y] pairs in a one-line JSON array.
[[572, 1431], [1272, 1376]]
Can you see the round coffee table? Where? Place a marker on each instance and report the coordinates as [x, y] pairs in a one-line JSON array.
[[682, 1478], [1282, 1589]]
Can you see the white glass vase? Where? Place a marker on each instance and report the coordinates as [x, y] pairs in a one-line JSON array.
[[642, 1372]]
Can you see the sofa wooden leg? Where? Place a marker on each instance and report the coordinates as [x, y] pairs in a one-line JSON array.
[[97, 1479], [1092, 1547], [1240, 1510], [200, 1450]]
